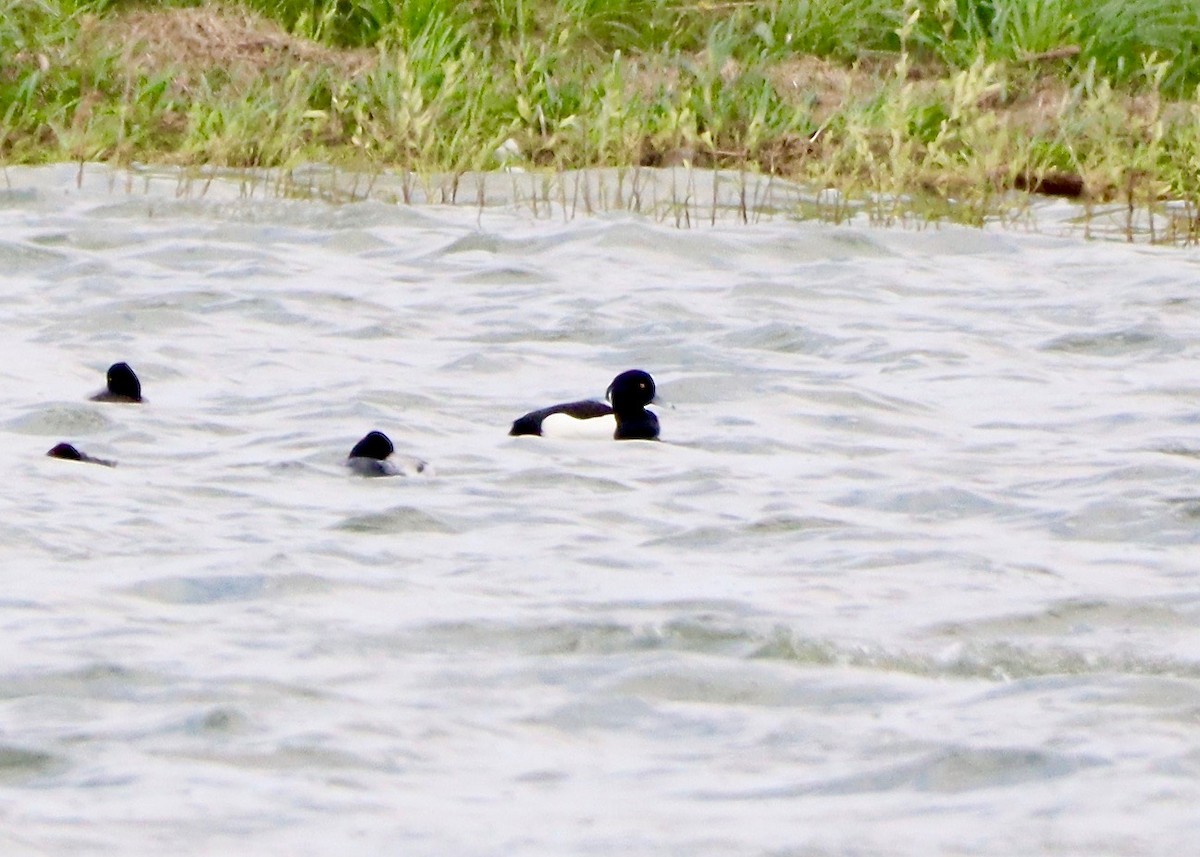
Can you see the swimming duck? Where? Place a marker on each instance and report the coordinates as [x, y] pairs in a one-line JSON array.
[[371, 456], [70, 453], [626, 419], [122, 385]]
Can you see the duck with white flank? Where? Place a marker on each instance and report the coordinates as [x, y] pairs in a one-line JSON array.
[[626, 419]]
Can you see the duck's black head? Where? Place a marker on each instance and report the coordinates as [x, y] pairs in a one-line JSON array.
[[631, 391], [375, 445], [65, 450], [124, 383]]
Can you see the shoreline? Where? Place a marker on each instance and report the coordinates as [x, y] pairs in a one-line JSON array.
[[887, 113], [683, 197]]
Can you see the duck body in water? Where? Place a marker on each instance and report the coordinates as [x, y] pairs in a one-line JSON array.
[[122, 385], [625, 419], [68, 452], [373, 456]]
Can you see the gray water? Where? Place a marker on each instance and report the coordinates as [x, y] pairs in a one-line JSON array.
[[913, 571]]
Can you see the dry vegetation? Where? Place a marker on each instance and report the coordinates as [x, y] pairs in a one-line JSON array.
[[192, 43]]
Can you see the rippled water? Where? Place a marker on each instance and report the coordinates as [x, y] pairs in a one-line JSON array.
[[914, 571]]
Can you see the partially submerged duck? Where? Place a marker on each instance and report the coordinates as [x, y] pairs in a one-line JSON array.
[[70, 453], [626, 419], [122, 385], [373, 456]]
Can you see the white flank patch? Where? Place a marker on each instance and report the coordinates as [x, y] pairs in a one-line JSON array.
[[595, 428]]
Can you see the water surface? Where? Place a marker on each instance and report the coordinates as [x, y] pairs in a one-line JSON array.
[[913, 572]]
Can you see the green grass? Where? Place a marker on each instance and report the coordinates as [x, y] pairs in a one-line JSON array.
[[1119, 36], [939, 100]]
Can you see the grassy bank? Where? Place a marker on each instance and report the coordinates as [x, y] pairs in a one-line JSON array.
[[958, 99]]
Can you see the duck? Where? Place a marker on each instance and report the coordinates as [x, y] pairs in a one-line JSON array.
[[626, 418], [69, 452], [372, 456], [122, 385]]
